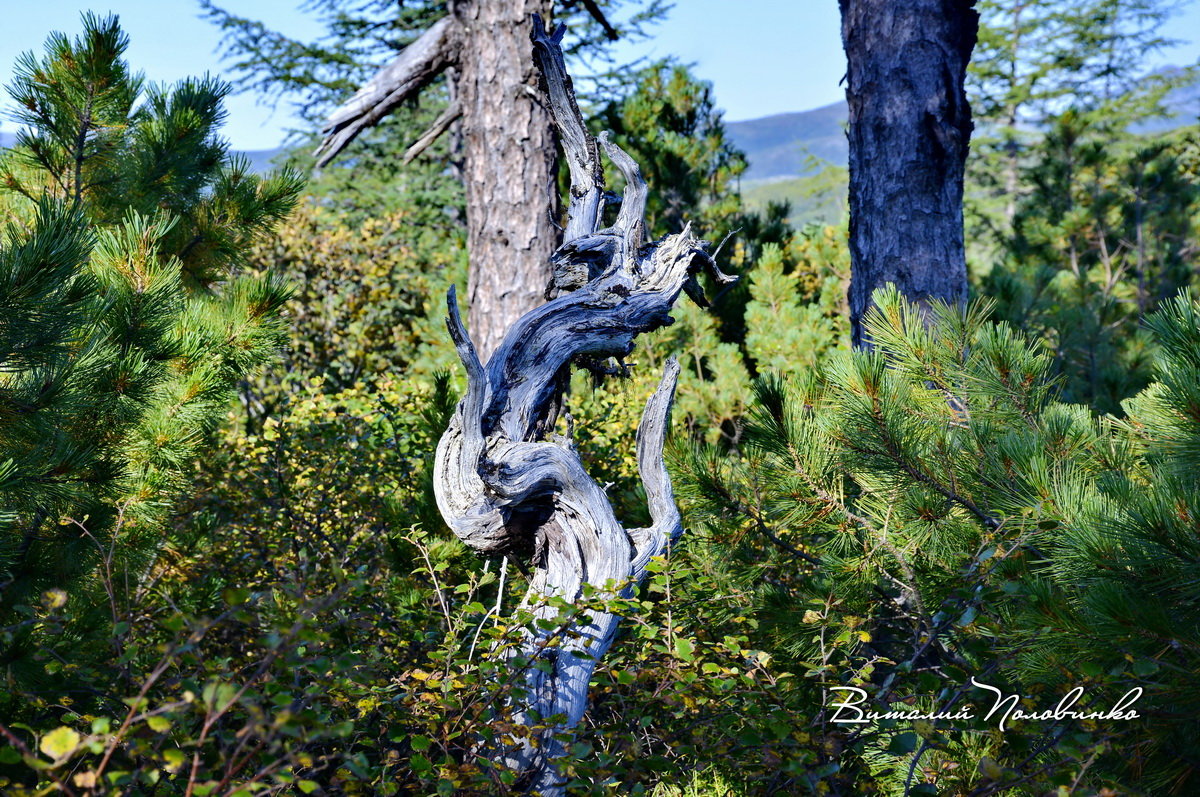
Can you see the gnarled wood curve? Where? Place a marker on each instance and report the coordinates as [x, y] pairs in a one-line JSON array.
[[507, 486]]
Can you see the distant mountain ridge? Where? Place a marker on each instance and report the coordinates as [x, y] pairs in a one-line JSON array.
[[260, 159], [780, 145]]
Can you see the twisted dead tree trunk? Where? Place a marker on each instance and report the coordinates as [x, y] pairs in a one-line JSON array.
[[506, 487]]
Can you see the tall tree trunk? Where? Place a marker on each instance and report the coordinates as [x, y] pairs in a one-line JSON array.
[[910, 126], [509, 148], [508, 166]]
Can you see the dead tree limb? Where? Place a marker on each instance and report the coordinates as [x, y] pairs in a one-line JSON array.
[[440, 125], [409, 72], [507, 486]]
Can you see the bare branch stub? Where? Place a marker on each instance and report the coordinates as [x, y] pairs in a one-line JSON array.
[[505, 486], [409, 72]]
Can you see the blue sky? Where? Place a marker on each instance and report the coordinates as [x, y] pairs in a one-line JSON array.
[[762, 56]]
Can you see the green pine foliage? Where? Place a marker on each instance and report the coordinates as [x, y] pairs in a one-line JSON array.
[[1081, 218], [788, 331], [688, 155], [1107, 232], [667, 120], [909, 517], [1037, 59], [127, 327]]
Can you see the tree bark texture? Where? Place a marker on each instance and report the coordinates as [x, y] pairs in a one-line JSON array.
[[909, 131], [506, 485], [509, 148], [508, 166]]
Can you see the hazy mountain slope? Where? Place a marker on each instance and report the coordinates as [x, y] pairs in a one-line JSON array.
[[260, 159], [779, 150], [779, 146]]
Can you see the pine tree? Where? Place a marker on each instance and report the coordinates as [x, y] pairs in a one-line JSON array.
[[126, 324], [907, 520], [668, 120], [1107, 231], [1036, 59]]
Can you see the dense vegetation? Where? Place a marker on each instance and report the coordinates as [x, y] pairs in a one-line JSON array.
[[222, 572]]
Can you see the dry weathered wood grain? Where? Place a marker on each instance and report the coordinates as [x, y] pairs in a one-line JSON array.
[[507, 486]]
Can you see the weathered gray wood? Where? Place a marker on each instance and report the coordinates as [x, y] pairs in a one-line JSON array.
[[583, 158], [909, 130], [506, 486], [409, 72], [440, 125]]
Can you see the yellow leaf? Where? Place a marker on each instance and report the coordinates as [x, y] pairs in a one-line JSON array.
[[158, 724], [990, 769], [54, 598], [59, 743]]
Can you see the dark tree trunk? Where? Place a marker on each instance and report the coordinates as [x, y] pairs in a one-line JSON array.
[[508, 141], [508, 166], [910, 126]]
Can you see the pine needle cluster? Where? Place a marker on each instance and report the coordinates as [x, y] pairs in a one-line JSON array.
[[928, 511]]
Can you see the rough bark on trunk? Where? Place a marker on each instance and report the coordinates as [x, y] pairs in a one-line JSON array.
[[508, 166], [506, 487], [909, 130], [509, 149]]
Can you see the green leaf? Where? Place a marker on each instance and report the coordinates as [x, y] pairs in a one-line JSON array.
[[903, 743], [684, 649], [1144, 667], [159, 724], [235, 596], [219, 695]]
